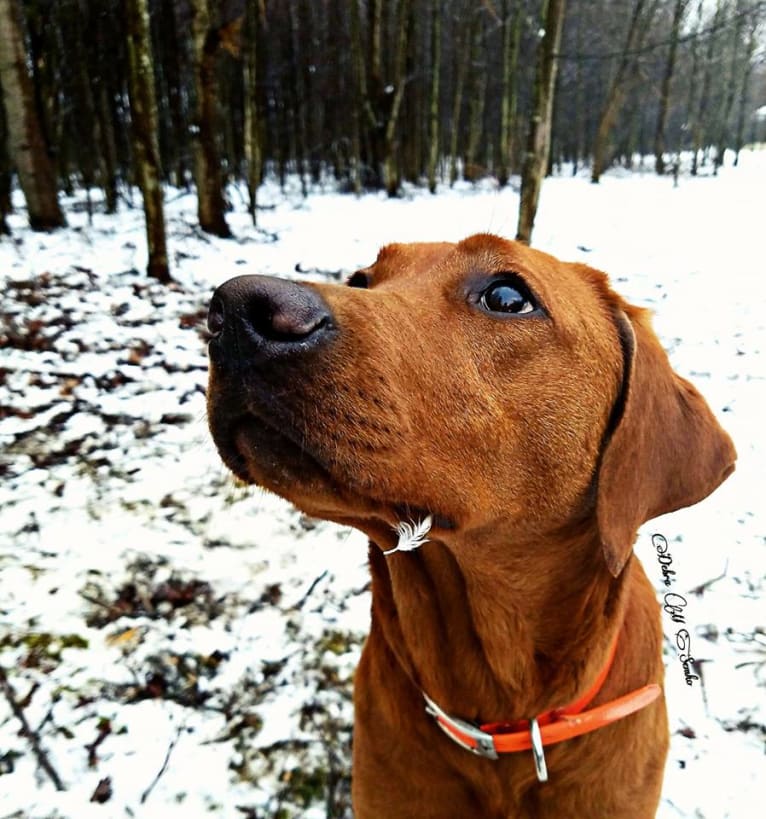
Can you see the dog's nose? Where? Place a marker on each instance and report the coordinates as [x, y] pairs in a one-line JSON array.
[[264, 317]]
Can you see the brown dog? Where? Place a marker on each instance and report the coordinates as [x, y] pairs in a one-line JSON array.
[[529, 414]]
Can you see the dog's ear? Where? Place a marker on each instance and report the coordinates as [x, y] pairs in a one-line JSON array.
[[666, 451]]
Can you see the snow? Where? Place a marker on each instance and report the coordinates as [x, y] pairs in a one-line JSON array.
[[109, 478]]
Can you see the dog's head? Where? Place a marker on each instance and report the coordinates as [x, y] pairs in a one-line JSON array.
[[482, 383]]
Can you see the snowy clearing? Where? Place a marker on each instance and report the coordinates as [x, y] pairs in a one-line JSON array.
[[183, 646]]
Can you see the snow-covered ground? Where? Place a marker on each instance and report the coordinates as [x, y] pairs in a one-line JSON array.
[[179, 645]]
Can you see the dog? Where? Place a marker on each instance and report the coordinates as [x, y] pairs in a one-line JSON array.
[[499, 423]]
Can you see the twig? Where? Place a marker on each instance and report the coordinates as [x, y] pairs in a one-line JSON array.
[[97, 602], [700, 669], [32, 736], [317, 580], [174, 742], [104, 730], [703, 587]]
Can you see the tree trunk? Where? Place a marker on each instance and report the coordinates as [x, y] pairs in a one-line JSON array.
[[433, 103], [667, 77], [299, 96], [361, 114], [391, 177], [539, 136], [92, 163], [207, 167], [744, 96], [104, 113], [6, 206], [471, 170], [463, 45], [143, 110], [381, 163], [508, 96], [412, 154], [46, 68], [27, 147], [694, 71], [108, 149], [735, 60], [252, 135], [617, 90], [700, 124], [174, 81], [579, 124]]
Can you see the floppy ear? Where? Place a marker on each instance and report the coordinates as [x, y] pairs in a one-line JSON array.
[[667, 450]]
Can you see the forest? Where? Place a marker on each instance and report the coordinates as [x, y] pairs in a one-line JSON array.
[[372, 94], [174, 643]]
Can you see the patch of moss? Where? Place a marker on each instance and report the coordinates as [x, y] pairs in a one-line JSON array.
[[304, 787], [43, 648]]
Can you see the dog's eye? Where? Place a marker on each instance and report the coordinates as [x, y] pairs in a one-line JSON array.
[[508, 297], [359, 279]]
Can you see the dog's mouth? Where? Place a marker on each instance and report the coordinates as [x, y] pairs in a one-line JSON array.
[[261, 451]]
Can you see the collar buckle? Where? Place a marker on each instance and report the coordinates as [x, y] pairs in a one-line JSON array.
[[462, 732], [538, 751]]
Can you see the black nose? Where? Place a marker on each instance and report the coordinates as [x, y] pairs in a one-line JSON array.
[[260, 317]]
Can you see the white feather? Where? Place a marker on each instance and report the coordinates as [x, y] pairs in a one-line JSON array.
[[411, 535]]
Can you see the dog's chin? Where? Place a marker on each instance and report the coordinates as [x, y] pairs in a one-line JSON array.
[[259, 453]]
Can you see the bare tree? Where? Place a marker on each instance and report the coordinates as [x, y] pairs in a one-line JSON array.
[[28, 150], [377, 91], [539, 136]]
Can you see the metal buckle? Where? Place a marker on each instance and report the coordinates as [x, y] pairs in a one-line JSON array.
[[485, 744], [537, 751]]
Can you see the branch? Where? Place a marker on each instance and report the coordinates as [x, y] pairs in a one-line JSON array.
[[32, 736], [703, 587], [699, 34], [317, 580], [173, 743]]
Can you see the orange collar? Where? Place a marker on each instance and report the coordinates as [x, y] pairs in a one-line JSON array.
[[553, 726]]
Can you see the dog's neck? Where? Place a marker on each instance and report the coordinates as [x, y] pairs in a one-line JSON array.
[[494, 631]]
